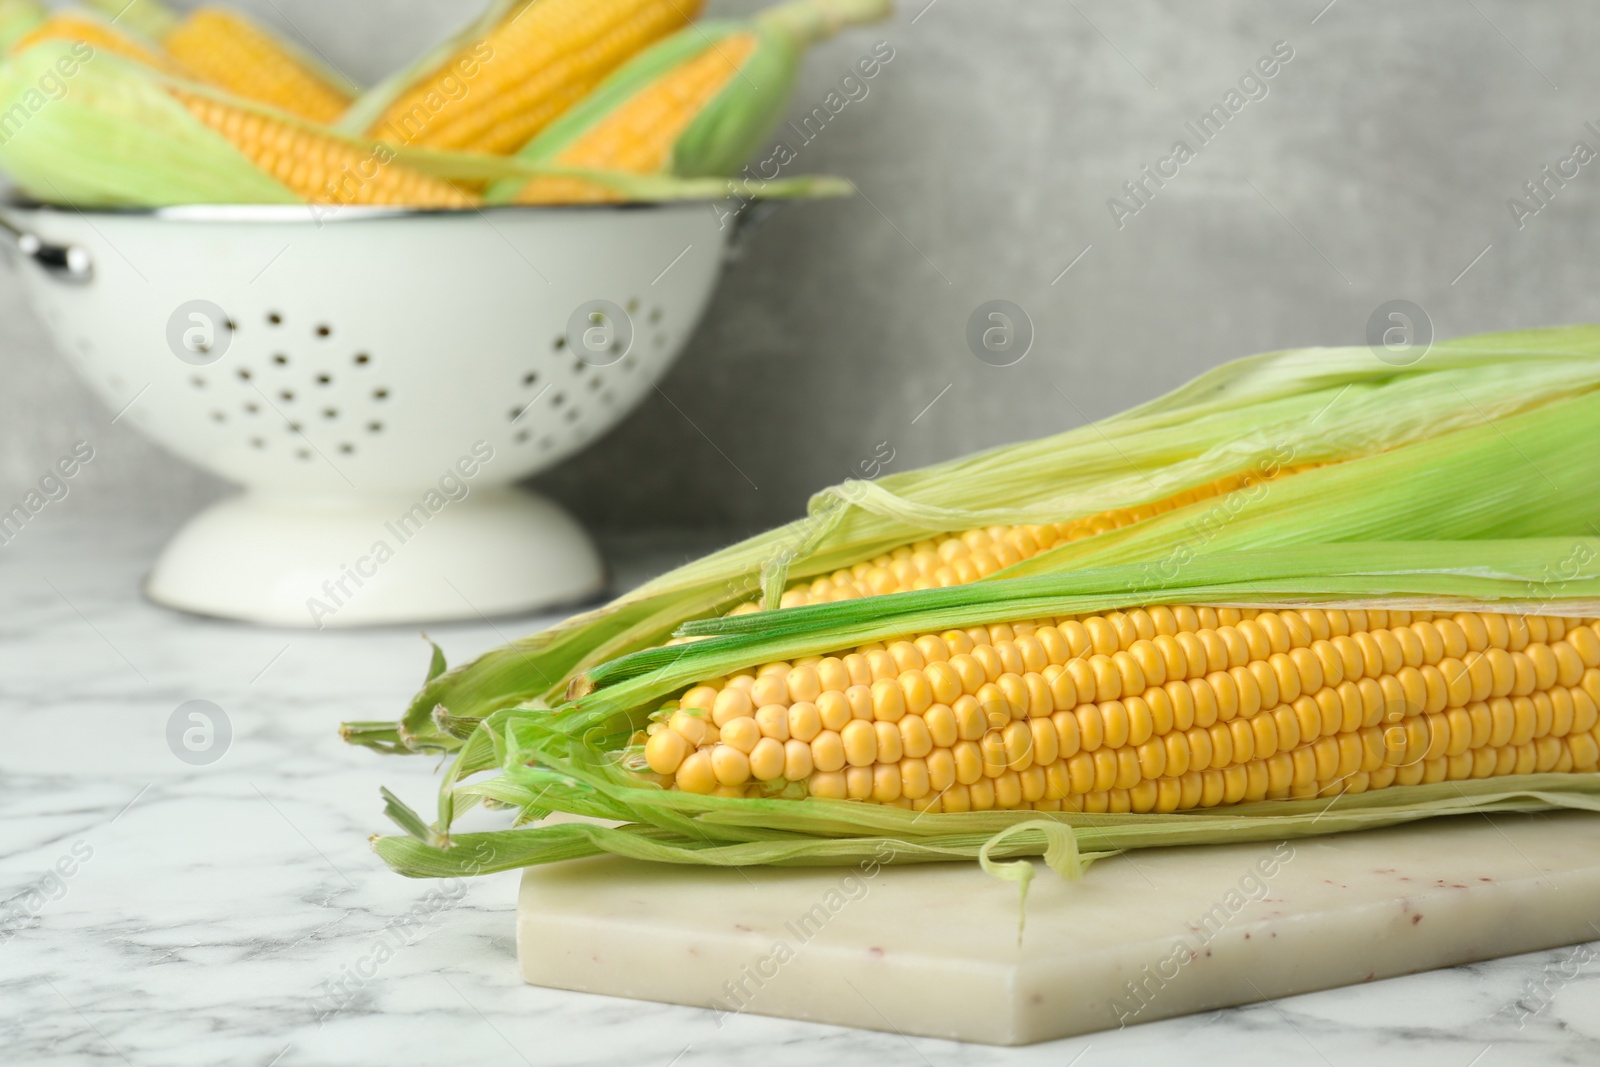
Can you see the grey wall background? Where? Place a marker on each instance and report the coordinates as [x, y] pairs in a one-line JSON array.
[[1377, 167]]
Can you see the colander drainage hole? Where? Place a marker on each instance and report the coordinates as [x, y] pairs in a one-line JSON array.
[[274, 318], [595, 384], [324, 330], [655, 316], [347, 448], [252, 408], [559, 343], [633, 306], [374, 427], [217, 416], [557, 400], [661, 341], [330, 413], [198, 382], [521, 437], [530, 379], [324, 379], [256, 442], [244, 374], [572, 415], [280, 359], [546, 444], [380, 394], [302, 453], [362, 359], [286, 394]]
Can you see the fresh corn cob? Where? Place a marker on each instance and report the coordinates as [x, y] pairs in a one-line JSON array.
[[1378, 455], [1446, 677], [1411, 629], [100, 35], [17, 17], [695, 104], [225, 49], [124, 134], [1160, 709], [518, 69]]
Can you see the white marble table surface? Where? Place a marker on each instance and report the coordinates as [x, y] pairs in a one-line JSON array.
[[209, 909]]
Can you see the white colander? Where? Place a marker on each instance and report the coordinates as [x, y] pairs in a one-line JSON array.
[[375, 380]]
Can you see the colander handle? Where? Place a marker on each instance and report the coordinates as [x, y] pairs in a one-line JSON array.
[[68, 263]]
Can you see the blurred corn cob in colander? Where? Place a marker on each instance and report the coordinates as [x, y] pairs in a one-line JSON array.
[[537, 101]]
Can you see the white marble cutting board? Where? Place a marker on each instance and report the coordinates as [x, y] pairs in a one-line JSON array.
[[933, 950]]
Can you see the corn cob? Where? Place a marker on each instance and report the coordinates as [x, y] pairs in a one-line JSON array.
[[1401, 456], [637, 136], [225, 49], [510, 77], [1411, 629], [695, 104], [1161, 709], [101, 35]]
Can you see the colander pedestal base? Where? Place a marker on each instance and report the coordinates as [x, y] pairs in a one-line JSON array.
[[317, 562]]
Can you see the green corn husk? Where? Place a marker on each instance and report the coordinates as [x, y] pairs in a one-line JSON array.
[[638, 188], [730, 128], [17, 17], [115, 137], [574, 760], [1299, 406]]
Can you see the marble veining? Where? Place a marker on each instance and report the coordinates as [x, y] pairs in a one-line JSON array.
[[232, 913]]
